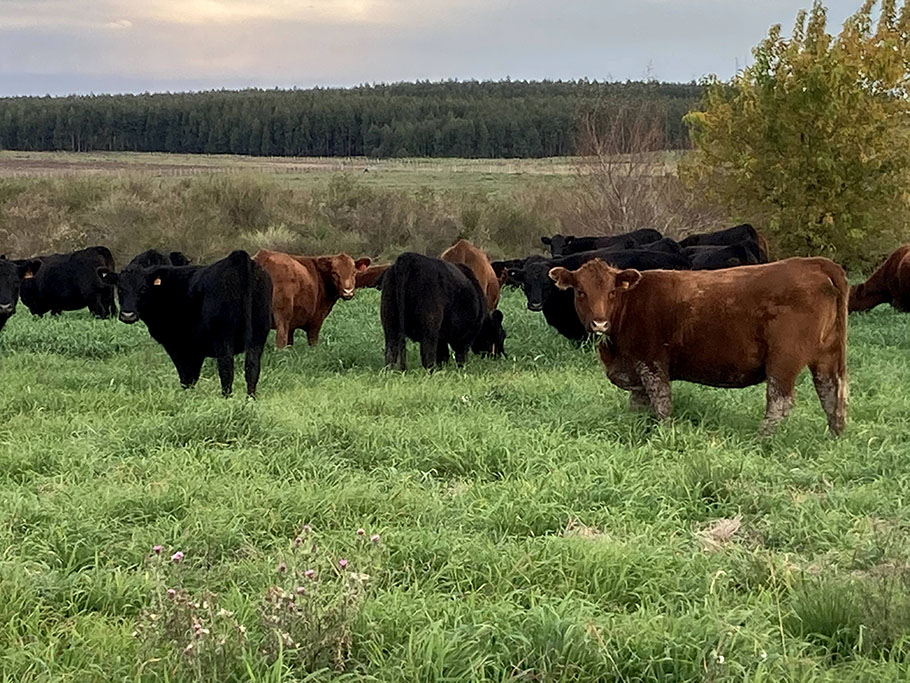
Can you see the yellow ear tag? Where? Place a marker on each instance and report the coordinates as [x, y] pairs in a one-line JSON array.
[[157, 281], [28, 275]]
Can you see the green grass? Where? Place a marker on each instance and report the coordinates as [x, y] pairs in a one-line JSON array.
[[531, 528]]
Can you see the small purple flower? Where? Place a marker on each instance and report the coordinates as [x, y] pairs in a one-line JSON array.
[[310, 573], [306, 529], [171, 593], [374, 538], [157, 549], [282, 567], [177, 557], [343, 563], [360, 532]]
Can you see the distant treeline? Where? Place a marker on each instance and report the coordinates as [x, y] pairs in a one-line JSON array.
[[446, 119]]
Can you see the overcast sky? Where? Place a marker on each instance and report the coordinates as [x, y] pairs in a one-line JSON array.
[[82, 46]]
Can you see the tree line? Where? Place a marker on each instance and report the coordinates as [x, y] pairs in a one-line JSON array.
[[475, 119]]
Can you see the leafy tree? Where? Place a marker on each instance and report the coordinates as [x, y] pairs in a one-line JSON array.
[[812, 139]]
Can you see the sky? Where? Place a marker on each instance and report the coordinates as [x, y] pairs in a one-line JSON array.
[[60, 47]]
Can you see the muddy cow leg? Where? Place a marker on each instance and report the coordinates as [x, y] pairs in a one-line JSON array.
[[657, 387], [778, 402], [638, 400], [831, 386]]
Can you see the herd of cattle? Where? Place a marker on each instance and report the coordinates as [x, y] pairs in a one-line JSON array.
[[708, 309]]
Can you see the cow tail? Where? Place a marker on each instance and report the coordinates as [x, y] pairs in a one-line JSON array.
[[835, 337], [245, 272]]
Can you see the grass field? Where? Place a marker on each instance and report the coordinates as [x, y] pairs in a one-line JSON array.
[[529, 528]]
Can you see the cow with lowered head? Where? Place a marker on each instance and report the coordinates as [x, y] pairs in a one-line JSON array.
[[438, 305], [12, 275], [563, 245], [743, 234], [198, 312], [305, 289], [68, 282], [153, 257], [889, 284], [724, 328]]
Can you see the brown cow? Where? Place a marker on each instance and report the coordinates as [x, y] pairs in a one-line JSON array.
[[372, 276], [890, 284], [722, 328], [305, 288], [475, 259]]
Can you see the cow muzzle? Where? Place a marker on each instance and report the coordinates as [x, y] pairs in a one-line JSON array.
[[128, 317], [7, 308], [347, 294], [600, 326], [534, 306]]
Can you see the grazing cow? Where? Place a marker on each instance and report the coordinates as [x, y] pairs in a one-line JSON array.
[[666, 245], [890, 284], [557, 306], [12, 274], [475, 259], [717, 257], [68, 282], [199, 312], [738, 234], [438, 305], [732, 328], [563, 245], [153, 257], [305, 289], [371, 277]]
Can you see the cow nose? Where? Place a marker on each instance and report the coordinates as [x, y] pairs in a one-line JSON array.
[[128, 316], [534, 306], [7, 308], [600, 326], [347, 293]]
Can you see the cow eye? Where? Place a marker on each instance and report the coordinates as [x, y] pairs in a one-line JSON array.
[[582, 295]]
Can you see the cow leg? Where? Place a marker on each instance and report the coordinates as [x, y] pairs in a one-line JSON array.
[[226, 372], [428, 349], [779, 402], [831, 387], [638, 400], [312, 333], [282, 334], [188, 369], [96, 306], [395, 352], [442, 353], [291, 332], [657, 387], [251, 368]]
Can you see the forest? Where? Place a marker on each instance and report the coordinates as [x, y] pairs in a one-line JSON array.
[[491, 119]]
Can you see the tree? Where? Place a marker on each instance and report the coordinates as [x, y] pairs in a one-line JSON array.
[[812, 139]]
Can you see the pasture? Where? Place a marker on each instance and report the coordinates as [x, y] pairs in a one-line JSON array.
[[529, 527]]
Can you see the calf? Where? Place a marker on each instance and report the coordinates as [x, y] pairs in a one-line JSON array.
[[438, 305], [199, 312], [732, 328], [12, 274], [717, 257], [475, 259], [890, 284], [68, 282], [305, 289], [738, 234], [543, 295], [563, 245]]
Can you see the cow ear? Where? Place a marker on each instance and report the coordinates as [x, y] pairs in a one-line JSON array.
[[627, 279], [564, 279], [546, 240], [107, 276], [28, 269], [362, 264]]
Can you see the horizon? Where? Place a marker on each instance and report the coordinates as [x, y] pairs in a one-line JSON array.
[[60, 48]]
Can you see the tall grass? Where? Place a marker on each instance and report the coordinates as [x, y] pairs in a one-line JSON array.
[[531, 529]]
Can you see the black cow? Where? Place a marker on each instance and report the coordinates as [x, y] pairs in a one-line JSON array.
[[68, 282], [665, 245], [558, 306], [563, 245], [717, 257], [12, 274], [437, 304], [153, 257], [199, 312], [503, 269], [739, 234]]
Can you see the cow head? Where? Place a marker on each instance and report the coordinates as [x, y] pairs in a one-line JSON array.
[[557, 243], [597, 288], [491, 339], [178, 258], [864, 296], [12, 276], [134, 286], [534, 283], [342, 271]]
